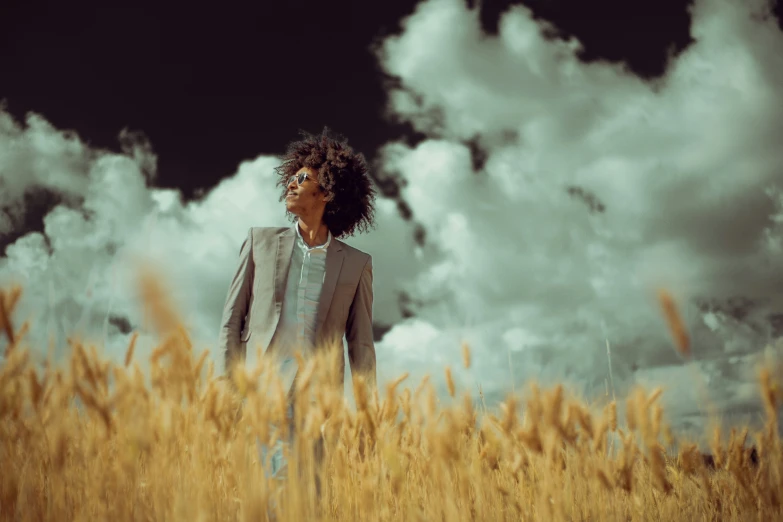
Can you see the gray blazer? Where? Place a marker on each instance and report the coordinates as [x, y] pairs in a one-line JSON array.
[[255, 299]]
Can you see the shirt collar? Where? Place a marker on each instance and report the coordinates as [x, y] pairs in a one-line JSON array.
[[317, 247]]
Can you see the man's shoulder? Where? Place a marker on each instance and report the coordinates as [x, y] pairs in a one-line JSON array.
[[267, 232], [353, 251]]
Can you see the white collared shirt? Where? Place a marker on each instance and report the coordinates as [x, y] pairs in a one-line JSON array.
[[296, 328]]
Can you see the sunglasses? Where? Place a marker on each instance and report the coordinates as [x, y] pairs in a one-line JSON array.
[[300, 178]]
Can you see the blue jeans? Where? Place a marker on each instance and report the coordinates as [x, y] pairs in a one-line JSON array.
[[273, 461], [272, 458]]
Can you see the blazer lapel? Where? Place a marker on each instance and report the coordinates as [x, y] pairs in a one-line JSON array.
[[334, 262], [285, 247]]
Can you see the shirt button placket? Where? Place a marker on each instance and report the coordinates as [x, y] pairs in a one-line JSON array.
[[302, 289]]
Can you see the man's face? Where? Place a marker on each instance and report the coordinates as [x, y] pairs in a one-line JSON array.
[[306, 197]]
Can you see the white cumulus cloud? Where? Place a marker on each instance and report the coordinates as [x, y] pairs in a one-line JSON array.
[[79, 275], [598, 188]]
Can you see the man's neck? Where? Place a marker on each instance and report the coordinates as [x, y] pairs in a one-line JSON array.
[[313, 234]]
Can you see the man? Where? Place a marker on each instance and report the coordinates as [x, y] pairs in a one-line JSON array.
[[301, 288]]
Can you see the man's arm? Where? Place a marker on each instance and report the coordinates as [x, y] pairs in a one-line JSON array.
[[358, 329], [237, 303]]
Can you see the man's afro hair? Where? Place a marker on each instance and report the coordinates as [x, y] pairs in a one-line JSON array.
[[342, 174]]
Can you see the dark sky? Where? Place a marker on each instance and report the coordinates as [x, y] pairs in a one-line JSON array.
[[211, 84]]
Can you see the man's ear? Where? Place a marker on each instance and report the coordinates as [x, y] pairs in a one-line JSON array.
[[328, 197]]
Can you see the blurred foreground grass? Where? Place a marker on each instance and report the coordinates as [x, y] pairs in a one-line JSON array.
[[91, 440]]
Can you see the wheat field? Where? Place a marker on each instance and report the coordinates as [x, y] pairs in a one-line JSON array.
[[92, 440]]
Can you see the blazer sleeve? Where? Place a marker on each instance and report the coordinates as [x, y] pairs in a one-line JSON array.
[[358, 334], [237, 304]]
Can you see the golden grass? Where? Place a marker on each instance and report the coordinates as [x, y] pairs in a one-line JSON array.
[[92, 441]]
